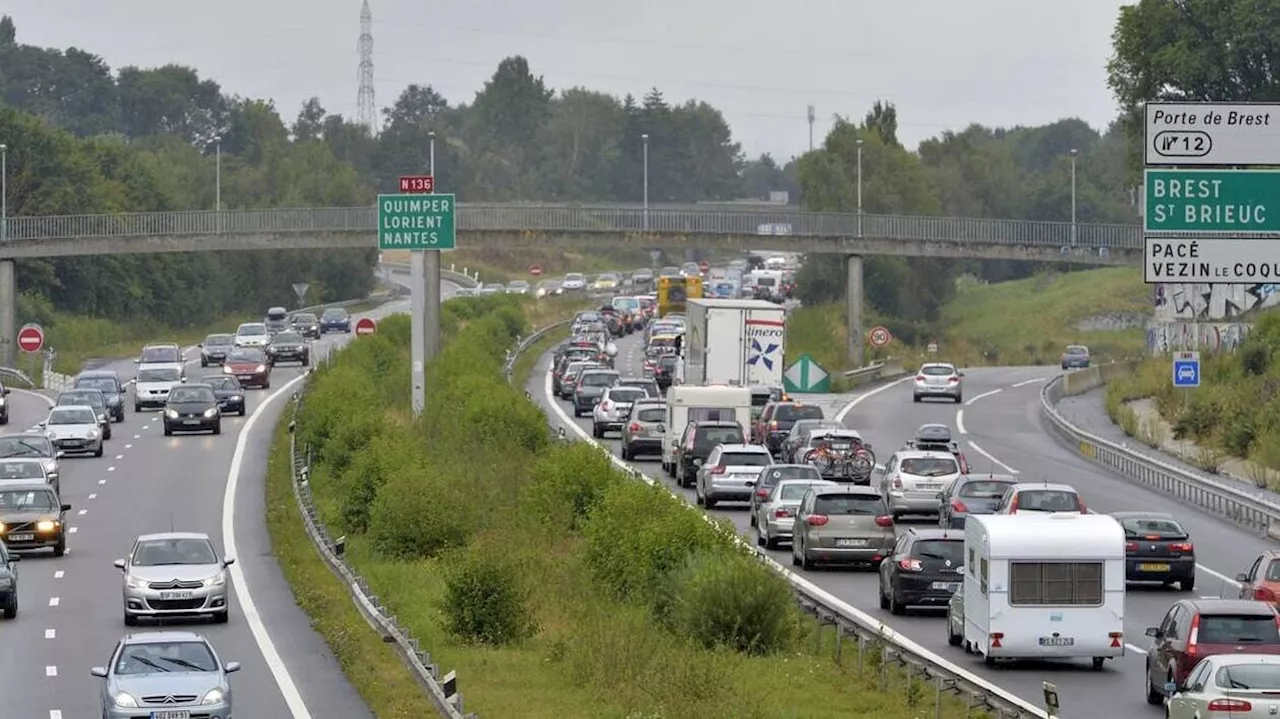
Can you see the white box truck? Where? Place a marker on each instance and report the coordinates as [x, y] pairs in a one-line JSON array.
[[1047, 586], [736, 342]]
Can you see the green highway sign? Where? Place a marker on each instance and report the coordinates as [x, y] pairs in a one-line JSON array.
[[416, 222], [1224, 201], [805, 376]]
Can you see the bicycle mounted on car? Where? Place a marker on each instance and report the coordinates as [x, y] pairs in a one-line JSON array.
[[841, 455]]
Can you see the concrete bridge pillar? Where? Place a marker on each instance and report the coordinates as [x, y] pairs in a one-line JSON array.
[[8, 310], [853, 313]]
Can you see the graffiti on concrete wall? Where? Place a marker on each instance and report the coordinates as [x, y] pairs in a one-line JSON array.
[[1165, 337], [1199, 302]]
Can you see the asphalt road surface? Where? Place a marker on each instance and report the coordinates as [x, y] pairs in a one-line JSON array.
[[1000, 430], [70, 613]]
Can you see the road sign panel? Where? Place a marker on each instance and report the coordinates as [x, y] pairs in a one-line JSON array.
[[300, 289], [416, 222], [535, 270], [805, 375], [1221, 201], [1211, 260], [704, 266], [31, 338], [366, 326], [1202, 133], [655, 254], [417, 184], [879, 336], [1186, 369]]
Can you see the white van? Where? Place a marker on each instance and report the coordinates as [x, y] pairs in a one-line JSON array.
[[695, 404], [1047, 586]]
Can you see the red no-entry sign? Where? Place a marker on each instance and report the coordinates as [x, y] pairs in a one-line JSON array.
[[31, 338], [366, 326]]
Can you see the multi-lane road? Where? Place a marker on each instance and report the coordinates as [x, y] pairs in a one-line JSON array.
[[70, 614], [1000, 430]]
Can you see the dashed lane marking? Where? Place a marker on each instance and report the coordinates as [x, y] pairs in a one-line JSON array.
[[137, 436], [93, 496], [102, 481], [51, 671], [119, 457], [50, 634], [128, 446], [111, 469], [83, 512], [55, 714], [59, 574], [975, 398], [72, 530], [54, 601]]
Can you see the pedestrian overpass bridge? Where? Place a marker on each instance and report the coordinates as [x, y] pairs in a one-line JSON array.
[[538, 225]]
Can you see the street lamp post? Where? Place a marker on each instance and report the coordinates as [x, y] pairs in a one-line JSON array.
[[645, 138], [431, 163], [1074, 152], [217, 174], [4, 192], [859, 188]]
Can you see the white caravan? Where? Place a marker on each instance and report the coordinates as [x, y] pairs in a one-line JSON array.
[[1047, 586], [688, 403]]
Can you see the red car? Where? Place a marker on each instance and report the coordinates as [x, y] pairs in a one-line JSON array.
[[249, 365]]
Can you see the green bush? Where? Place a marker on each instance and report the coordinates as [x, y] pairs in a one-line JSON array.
[[419, 513], [730, 599], [483, 601], [391, 451], [566, 484]]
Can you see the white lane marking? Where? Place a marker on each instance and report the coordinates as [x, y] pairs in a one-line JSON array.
[[975, 398], [146, 427], [960, 422], [83, 512], [1024, 383], [1216, 575], [1132, 648], [292, 697], [128, 446], [119, 456], [54, 601], [989, 456], [93, 496], [858, 400], [72, 530], [55, 714], [137, 436], [111, 469], [102, 481], [51, 671], [59, 574], [47, 399], [50, 634]]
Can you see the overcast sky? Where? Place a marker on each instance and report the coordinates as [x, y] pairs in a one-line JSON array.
[[945, 64]]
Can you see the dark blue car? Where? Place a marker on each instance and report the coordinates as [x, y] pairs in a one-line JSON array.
[[335, 319], [1076, 357]]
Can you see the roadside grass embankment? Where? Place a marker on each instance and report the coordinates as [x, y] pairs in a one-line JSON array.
[[1233, 414], [553, 584], [1022, 322]]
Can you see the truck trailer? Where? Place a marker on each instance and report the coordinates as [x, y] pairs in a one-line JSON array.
[[736, 342]]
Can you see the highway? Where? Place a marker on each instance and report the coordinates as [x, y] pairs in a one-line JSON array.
[[70, 614], [1000, 430]]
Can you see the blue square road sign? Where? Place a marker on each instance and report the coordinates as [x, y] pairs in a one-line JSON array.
[[1186, 369]]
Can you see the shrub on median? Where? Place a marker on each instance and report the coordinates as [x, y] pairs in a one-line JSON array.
[[484, 600], [729, 599]]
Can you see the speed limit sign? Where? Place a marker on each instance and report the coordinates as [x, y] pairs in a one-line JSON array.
[[879, 336]]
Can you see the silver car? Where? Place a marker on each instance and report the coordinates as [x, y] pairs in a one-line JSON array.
[[74, 428], [913, 479], [776, 515], [729, 474], [27, 471], [165, 675], [938, 379], [252, 334], [32, 445], [174, 574], [610, 413]]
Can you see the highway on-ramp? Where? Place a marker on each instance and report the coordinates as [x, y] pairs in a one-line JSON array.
[[1000, 430], [70, 613]]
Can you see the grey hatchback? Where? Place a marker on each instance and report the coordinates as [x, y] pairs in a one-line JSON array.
[[843, 525], [165, 675], [643, 428]]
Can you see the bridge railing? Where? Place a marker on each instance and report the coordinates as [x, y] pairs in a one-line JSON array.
[[688, 220]]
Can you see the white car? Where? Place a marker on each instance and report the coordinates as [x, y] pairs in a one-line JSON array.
[[1040, 498], [253, 334], [74, 428], [612, 409], [938, 379], [729, 474], [151, 386], [574, 282], [912, 479]]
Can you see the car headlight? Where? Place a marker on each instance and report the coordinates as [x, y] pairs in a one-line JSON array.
[[1, 526], [236, 398], [125, 699], [93, 434], [133, 582], [211, 412], [171, 414], [226, 369], [216, 580], [46, 525], [213, 696], [262, 368]]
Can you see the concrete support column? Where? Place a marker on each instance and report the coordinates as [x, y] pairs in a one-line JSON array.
[[853, 315]]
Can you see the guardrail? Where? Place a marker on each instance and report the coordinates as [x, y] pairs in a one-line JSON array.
[[1200, 490], [869, 634], [891, 367], [516, 218]]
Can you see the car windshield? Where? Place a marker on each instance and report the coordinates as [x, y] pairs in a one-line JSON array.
[[252, 330], [163, 552], [72, 415], [21, 470], [849, 504], [159, 374], [952, 549], [161, 354], [1273, 571], [599, 379], [191, 394], [1239, 629], [32, 446], [652, 414], [626, 394], [793, 491], [1159, 527], [771, 477], [574, 277], [711, 436], [222, 383], [937, 370], [1048, 500], [793, 412], [1077, 350], [745, 459], [289, 338], [304, 319], [929, 466], [219, 340], [984, 489], [93, 399], [1255, 677], [105, 384], [335, 314], [245, 355], [165, 657], [27, 499]]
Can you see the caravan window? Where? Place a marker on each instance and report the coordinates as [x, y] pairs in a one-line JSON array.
[[711, 414], [983, 585], [1055, 583]]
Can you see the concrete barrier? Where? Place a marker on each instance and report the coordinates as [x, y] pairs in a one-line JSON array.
[[1083, 380]]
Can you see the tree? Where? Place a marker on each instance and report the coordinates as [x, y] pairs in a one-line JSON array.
[[309, 125], [418, 106]]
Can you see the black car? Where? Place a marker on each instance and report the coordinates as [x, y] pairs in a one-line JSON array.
[[108, 382], [590, 386], [926, 568], [696, 444], [664, 372], [33, 517], [229, 393], [4, 405], [192, 408], [214, 349], [335, 319], [1157, 549], [289, 347], [306, 324], [776, 420], [972, 494], [93, 398]]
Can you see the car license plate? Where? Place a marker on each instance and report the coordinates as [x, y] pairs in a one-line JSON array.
[[1057, 641], [24, 537], [1153, 567], [171, 714], [191, 421], [949, 586], [175, 595], [244, 376], [851, 542], [929, 485]]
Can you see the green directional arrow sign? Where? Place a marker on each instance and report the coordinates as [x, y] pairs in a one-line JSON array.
[[805, 376]]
